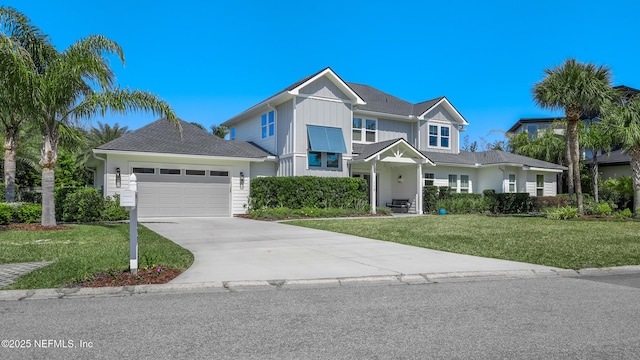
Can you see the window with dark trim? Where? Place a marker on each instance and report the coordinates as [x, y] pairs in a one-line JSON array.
[[141, 170], [195, 172], [170, 172]]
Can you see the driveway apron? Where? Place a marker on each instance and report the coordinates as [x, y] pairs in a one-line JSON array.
[[230, 249]]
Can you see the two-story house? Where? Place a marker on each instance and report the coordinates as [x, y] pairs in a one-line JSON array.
[[319, 126]]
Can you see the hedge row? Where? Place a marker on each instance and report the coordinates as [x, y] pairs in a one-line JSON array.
[[435, 198], [72, 205], [297, 192], [19, 213]]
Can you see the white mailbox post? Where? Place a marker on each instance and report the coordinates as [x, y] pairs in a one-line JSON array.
[[129, 199]]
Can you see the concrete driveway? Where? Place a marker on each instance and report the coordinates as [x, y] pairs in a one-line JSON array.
[[232, 249]]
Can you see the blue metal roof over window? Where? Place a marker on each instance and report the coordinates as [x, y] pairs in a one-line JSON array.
[[326, 139]]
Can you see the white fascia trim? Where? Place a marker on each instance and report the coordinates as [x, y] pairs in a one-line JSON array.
[[377, 154], [335, 79], [138, 153], [452, 110], [316, 97], [377, 114], [525, 168]]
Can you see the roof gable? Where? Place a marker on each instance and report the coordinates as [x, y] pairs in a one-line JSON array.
[[162, 136], [397, 148]]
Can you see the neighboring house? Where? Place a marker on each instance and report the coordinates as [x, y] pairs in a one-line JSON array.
[[320, 126], [613, 165]]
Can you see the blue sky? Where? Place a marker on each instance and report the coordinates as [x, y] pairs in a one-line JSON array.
[[213, 59]]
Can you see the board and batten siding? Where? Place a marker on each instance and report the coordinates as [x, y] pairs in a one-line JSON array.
[[322, 113], [393, 129], [439, 116], [284, 128], [323, 87]]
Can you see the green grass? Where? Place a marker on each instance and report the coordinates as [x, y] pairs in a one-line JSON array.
[[565, 244], [83, 251]]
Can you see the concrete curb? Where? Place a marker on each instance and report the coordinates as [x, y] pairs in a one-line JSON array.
[[232, 286]]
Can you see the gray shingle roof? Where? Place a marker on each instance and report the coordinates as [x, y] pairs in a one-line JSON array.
[[162, 136], [366, 150], [616, 157], [492, 157], [380, 101]]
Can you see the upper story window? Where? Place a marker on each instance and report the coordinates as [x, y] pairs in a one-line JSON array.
[[365, 130], [232, 133], [268, 123], [439, 136]]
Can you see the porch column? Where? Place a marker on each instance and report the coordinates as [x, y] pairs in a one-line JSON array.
[[374, 188], [419, 190]]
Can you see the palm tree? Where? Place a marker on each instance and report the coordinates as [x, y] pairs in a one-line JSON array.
[[578, 89], [593, 137], [23, 50], [621, 120], [65, 95], [219, 130], [100, 135]]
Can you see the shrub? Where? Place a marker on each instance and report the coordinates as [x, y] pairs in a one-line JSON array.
[[603, 209], [112, 210], [464, 204], [83, 205], [563, 213], [512, 203], [29, 213], [60, 195], [297, 192], [32, 197], [430, 195], [7, 214], [626, 213], [538, 203]]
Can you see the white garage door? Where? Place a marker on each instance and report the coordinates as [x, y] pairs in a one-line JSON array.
[[174, 192]]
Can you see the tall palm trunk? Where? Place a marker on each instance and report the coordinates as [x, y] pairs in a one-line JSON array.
[[596, 196], [574, 154], [570, 183], [48, 160], [10, 150], [635, 173]]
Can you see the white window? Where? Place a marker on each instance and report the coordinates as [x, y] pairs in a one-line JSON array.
[[512, 183], [439, 136], [268, 124], [365, 130], [429, 179], [539, 185], [464, 183], [324, 160], [453, 182]]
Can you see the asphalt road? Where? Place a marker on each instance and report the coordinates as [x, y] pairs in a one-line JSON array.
[[540, 318]]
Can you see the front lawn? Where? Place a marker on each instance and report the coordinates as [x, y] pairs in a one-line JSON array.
[[574, 244], [82, 251]]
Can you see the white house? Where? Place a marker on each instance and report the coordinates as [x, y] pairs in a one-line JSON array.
[[320, 126]]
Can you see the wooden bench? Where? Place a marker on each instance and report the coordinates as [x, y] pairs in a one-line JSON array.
[[399, 205]]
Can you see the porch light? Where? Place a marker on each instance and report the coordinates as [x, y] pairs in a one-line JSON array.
[[241, 178], [118, 178], [400, 178]]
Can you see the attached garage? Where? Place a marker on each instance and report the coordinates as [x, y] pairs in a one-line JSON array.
[[184, 172], [182, 192]]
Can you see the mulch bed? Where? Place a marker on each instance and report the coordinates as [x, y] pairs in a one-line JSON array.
[[126, 278], [33, 227]]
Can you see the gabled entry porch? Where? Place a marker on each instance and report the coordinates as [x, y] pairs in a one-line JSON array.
[[394, 170]]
